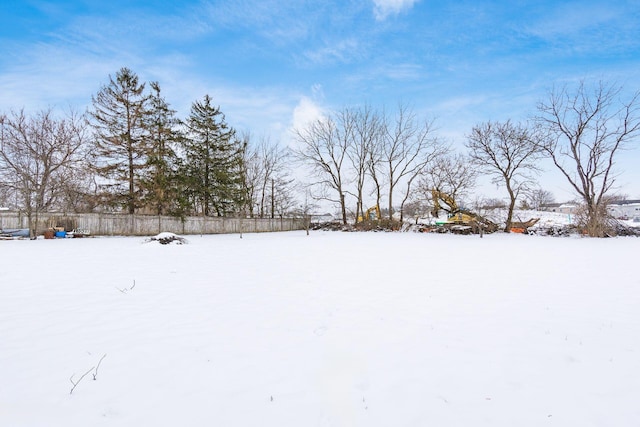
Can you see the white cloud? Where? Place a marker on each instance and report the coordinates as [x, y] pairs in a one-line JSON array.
[[50, 76], [384, 8], [305, 112]]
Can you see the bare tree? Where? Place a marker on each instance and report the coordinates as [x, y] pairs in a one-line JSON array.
[[452, 174], [366, 138], [586, 128], [36, 154], [281, 196], [407, 147], [374, 159], [5, 196], [507, 152], [305, 207], [272, 161], [251, 173], [79, 189], [266, 176], [324, 146], [535, 198]]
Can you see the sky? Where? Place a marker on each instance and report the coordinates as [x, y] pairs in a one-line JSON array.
[[274, 65]]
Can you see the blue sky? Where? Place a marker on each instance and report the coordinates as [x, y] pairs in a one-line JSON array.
[[271, 64]]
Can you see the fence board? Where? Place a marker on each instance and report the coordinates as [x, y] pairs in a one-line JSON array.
[[111, 224]]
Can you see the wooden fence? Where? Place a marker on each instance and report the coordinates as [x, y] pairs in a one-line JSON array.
[[103, 224]]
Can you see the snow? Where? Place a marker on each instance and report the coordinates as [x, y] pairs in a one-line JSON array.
[[166, 238], [330, 329]]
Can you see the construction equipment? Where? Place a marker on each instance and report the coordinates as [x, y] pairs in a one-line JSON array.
[[438, 196], [459, 220], [372, 214], [522, 226]]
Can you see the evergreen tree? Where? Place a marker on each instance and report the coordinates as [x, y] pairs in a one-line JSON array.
[[121, 143], [160, 181], [213, 161]]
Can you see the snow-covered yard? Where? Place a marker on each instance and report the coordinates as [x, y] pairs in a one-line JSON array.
[[331, 329]]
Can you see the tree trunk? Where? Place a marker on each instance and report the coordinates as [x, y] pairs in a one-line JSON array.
[[131, 201], [33, 227], [596, 217], [273, 200], [512, 205], [344, 208]]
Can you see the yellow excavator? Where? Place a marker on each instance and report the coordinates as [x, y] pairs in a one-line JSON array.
[[372, 214], [459, 219]]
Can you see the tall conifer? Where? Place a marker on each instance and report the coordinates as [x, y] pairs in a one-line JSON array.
[[159, 182], [121, 143], [213, 160]]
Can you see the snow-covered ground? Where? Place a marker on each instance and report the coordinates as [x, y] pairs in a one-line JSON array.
[[330, 329]]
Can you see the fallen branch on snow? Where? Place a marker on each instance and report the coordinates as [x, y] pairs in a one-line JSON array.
[[93, 369]]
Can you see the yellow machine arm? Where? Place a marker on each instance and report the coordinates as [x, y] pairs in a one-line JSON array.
[[372, 214], [438, 196]]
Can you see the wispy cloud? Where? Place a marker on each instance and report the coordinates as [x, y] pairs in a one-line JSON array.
[[279, 22], [343, 51], [384, 8], [48, 75], [404, 72], [571, 19], [588, 28]]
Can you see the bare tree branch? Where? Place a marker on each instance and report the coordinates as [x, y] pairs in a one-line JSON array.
[[324, 147], [584, 130], [37, 157], [507, 152]]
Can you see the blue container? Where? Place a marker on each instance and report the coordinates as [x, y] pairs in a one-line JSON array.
[[61, 234]]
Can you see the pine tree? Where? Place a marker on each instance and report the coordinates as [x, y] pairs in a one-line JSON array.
[[159, 183], [121, 143], [213, 161]]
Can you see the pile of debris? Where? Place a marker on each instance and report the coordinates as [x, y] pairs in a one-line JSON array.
[[330, 226], [554, 230], [614, 228], [619, 228], [166, 238], [374, 225]]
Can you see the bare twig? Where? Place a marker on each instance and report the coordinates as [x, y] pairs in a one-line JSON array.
[[95, 373], [93, 369], [125, 290], [75, 383]]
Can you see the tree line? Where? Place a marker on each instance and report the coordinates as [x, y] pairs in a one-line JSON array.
[[131, 153], [581, 130]]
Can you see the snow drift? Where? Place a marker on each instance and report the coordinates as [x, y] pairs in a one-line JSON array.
[[331, 329]]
